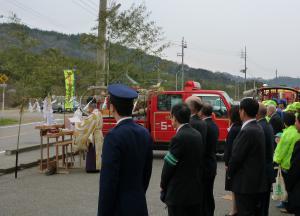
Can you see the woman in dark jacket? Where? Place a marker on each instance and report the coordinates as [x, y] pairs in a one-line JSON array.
[[293, 177], [234, 129]]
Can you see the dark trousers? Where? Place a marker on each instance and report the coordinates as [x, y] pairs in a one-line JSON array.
[[209, 201], [91, 159], [193, 210], [265, 203], [248, 204]]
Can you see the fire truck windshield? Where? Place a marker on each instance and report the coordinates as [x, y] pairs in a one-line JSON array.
[[166, 101], [228, 98]]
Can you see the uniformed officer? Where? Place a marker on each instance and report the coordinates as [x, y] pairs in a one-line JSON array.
[[126, 160]]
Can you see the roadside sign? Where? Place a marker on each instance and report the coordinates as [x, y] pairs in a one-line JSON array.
[[3, 78], [3, 85]]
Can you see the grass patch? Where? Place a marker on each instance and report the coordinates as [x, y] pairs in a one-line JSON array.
[[6, 121]]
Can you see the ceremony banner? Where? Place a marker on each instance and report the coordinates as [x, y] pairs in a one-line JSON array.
[[70, 89]]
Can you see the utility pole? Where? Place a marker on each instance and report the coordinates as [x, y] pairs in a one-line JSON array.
[[183, 46], [235, 90], [244, 56], [276, 74], [101, 43], [238, 89], [157, 69], [177, 73], [3, 97], [108, 61]]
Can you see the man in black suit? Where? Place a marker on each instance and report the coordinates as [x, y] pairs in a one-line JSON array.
[[210, 159], [195, 105], [246, 167], [275, 120], [182, 174], [269, 140], [293, 177]]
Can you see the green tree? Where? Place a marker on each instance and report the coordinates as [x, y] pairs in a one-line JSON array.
[[132, 29]]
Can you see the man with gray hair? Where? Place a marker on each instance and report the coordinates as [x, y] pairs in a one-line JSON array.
[[195, 105], [275, 120]]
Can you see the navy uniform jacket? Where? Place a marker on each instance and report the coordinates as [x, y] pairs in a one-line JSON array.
[[126, 170]]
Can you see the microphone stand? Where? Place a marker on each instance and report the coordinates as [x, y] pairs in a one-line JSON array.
[[18, 142]]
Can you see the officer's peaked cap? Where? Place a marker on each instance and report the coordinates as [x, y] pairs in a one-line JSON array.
[[121, 91]]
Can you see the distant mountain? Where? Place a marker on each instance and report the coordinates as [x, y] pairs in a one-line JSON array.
[[71, 46], [284, 81]]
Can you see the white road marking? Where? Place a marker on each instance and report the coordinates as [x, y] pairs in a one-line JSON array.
[[31, 123], [12, 126], [21, 134], [2, 152]]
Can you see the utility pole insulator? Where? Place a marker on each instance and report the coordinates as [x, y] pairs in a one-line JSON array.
[[183, 46], [244, 71]]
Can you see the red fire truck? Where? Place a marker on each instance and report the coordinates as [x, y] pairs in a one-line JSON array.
[[264, 93], [154, 112], [289, 94]]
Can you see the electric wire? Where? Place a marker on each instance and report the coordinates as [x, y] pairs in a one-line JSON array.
[[35, 14], [86, 9]]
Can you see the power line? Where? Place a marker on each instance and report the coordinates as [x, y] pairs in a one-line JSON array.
[[54, 22], [266, 69], [34, 13], [86, 9], [93, 3], [87, 5]]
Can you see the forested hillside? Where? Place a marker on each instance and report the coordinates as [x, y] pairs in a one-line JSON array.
[[35, 59]]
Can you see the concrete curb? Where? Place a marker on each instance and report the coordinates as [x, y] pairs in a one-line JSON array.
[[20, 167], [28, 165], [28, 148]]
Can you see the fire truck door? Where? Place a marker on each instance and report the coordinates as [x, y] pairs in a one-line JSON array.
[[162, 129]]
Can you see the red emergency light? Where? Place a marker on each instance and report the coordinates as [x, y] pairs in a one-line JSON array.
[[192, 85]]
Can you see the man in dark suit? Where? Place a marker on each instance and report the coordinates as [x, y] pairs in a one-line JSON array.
[[182, 174], [293, 177], [195, 105], [246, 167], [210, 159], [126, 160], [275, 120], [269, 140]]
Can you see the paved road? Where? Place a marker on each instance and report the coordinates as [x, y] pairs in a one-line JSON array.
[[77, 193], [28, 135]]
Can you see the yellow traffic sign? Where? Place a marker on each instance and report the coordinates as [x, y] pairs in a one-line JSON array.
[[3, 78]]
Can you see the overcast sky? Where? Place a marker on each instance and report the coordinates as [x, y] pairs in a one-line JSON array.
[[215, 30]]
